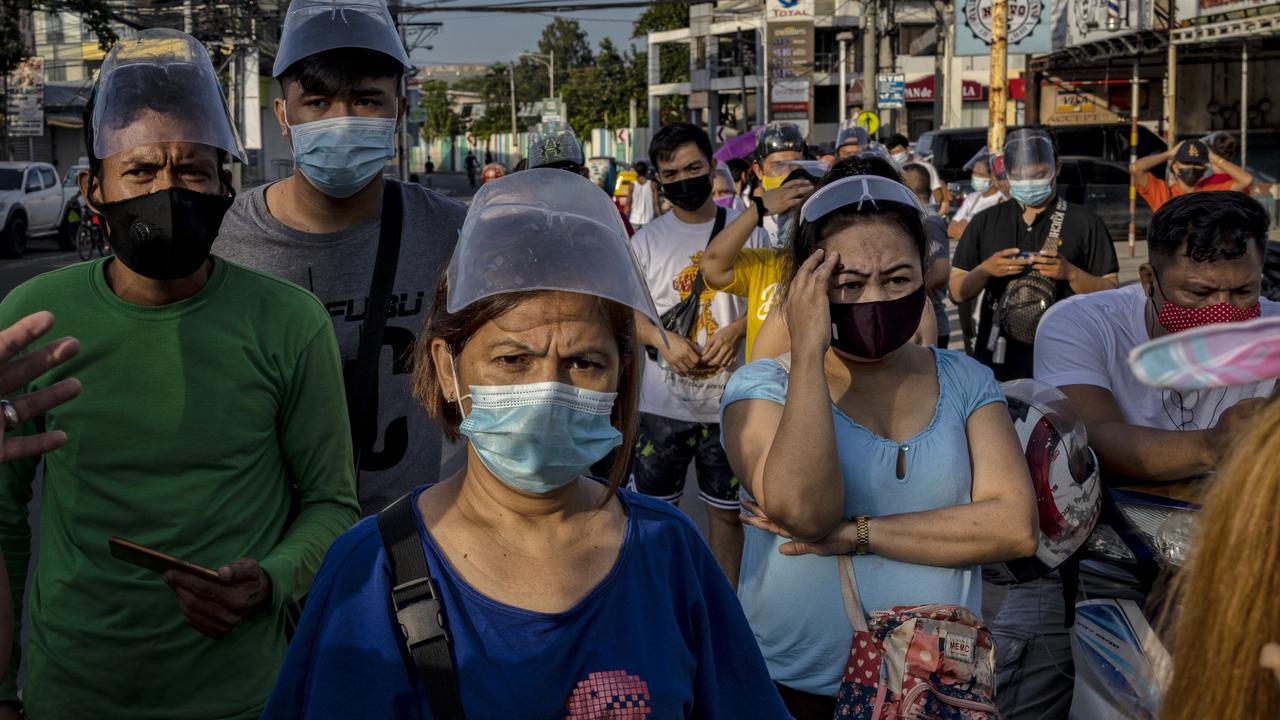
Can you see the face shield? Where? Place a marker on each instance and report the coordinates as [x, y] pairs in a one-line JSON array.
[[856, 191], [1029, 155], [545, 229], [160, 87], [314, 26], [554, 144]]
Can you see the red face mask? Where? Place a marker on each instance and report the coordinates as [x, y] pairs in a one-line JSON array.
[[1176, 318]]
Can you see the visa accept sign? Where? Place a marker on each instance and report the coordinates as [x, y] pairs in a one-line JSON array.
[[789, 9]]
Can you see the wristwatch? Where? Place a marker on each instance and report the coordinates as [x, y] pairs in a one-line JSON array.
[[761, 211], [864, 535]]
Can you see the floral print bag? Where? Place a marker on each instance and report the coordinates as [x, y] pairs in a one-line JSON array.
[[928, 662]]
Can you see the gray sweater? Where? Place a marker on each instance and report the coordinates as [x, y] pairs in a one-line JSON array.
[[410, 449]]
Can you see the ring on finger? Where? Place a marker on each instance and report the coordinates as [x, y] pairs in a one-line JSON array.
[[10, 413]]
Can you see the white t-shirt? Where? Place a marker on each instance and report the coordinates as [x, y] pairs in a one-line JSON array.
[[669, 251], [976, 202], [1086, 339]]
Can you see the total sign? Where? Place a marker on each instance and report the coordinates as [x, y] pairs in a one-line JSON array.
[[789, 9]]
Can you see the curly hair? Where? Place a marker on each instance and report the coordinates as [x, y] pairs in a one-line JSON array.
[[1206, 227]]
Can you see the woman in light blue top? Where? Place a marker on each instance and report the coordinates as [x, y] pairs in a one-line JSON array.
[[861, 442]]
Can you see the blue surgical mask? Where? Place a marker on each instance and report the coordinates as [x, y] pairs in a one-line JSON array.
[[540, 436], [1031, 192], [980, 184], [341, 155]]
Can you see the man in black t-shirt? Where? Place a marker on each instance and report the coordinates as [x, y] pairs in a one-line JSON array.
[[1009, 240]]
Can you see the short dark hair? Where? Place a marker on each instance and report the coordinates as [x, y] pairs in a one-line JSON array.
[[641, 168], [334, 72], [1209, 225], [916, 177], [457, 328], [898, 140], [671, 137], [809, 237]]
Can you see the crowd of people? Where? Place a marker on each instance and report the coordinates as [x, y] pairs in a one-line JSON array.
[[339, 446]]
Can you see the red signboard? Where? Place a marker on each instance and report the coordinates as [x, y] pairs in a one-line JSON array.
[[790, 107], [921, 90]]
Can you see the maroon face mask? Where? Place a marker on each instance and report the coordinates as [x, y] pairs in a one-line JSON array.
[[872, 330]]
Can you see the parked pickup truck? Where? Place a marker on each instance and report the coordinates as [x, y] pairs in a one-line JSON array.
[[33, 203]]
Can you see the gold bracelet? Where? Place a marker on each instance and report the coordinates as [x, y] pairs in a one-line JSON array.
[[864, 535]]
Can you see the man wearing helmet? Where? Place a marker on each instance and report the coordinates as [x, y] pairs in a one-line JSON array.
[[340, 65], [851, 140], [778, 145], [1205, 266], [1041, 245], [211, 427]]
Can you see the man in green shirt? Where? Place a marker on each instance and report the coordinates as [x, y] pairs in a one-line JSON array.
[[212, 426]]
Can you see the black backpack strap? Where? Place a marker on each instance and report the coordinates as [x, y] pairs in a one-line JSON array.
[[361, 375], [419, 610]]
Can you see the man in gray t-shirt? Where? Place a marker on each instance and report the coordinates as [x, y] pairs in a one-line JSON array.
[[319, 228]]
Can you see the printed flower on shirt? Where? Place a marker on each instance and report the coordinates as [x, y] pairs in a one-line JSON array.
[[704, 325], [612, 695]]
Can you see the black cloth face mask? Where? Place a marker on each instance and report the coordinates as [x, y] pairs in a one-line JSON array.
[[871, 330], [689, 194], [165, 235], [1190, 175]]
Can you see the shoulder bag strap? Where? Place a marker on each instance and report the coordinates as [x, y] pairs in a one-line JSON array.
[[1055, 226], [361, 376], [849, 594], [699, 284], [419, 609]]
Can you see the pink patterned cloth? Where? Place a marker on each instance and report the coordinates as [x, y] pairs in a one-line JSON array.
[[1213, 356]]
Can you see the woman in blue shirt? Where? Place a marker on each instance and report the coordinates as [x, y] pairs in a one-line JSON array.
[[563, 597], [862, 442]]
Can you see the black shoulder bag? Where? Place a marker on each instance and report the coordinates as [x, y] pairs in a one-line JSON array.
[[679, 320], [360, 376], [419, 610]]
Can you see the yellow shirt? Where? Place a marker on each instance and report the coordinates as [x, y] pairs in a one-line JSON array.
[[757, 276]]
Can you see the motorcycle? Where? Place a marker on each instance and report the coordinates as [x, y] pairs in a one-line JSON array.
[[1121, 664]]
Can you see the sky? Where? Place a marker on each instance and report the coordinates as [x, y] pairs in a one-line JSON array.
[[486, 38]]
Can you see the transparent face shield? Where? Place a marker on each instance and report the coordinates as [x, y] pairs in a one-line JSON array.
[[545, 229], [855, 191], [553, 142], [160, 87], [1028, 155], [314, 26]]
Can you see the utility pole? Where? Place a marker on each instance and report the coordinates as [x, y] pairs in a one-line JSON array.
[[740, 51], [1133, 153], [404, 92], [999, 73], [939, 64], [515, 135], [1171, 81], [844, 38], [870, 51]]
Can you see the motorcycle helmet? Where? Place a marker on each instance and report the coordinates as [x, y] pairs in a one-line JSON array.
[[778, 137], [492, 171], [1064, 473]]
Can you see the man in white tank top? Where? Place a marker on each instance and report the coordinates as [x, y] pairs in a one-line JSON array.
[[644, 197]]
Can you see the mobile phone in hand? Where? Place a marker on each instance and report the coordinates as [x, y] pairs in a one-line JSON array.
[[156, 561]]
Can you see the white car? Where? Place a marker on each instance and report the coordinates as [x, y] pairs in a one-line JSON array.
[[33, 203]]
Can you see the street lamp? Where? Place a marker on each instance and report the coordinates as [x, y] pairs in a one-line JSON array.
[[550, 61], [844, 39]]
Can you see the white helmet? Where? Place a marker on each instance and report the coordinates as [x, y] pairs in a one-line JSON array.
[[1064, 473]]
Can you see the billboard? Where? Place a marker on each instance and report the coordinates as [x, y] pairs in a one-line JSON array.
[[790, 58], [1028, 27], [24, 105]]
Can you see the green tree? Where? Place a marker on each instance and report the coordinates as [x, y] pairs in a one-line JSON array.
[[567, 39], [600, 95], [673, 58], [441, 120]]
